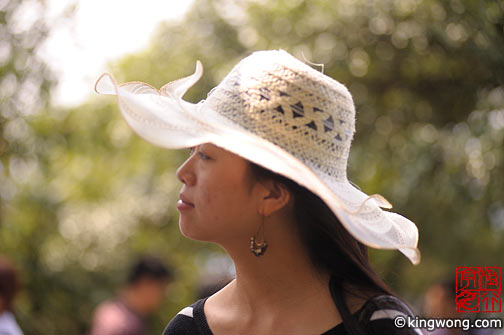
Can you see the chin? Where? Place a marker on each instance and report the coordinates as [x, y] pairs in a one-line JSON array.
[[192, 231]]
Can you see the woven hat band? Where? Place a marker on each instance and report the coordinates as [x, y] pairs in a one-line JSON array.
[[309, 115]]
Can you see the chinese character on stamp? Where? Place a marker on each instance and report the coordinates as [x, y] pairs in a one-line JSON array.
[[478, 289]]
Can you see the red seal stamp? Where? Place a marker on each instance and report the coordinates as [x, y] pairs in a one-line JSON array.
[[478, 289]]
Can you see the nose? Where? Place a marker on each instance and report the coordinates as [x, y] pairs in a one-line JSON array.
[[185, 172]]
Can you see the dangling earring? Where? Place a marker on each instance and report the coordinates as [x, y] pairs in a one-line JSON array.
[[258, 246]]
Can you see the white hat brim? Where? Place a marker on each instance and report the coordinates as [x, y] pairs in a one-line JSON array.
[[166, 120]]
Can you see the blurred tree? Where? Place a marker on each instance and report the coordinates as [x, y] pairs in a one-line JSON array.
[[25, 82], [82, 196]]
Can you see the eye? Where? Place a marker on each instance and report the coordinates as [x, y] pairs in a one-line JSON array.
[[192, 150], [203, 156]]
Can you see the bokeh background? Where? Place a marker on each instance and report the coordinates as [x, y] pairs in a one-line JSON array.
[[81, 195]]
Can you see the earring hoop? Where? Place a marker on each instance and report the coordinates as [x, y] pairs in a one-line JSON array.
[[258, 245]]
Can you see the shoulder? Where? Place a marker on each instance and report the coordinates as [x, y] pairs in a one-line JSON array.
[[190, 320], [113, 317], [109, 310], [8, 324], [380, 314]]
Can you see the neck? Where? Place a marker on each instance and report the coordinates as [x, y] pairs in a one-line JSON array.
[[278, 279], [272, 290], [132, 300]]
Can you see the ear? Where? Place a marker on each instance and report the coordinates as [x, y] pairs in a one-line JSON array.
[[275, 197]]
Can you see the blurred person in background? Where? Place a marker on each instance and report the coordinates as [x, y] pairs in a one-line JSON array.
[[439, 302], [9, 286], [142, 295]]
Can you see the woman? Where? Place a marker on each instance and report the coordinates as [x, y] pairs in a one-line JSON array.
[[266, 179]]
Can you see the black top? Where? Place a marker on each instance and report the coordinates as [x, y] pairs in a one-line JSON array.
[[379, 310]]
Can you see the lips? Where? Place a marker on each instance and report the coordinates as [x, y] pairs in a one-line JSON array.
[[184, 203]]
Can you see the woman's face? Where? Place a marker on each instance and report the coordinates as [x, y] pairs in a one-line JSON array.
[[219, 198]]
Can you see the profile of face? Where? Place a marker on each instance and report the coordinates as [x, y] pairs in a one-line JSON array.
[[221, 200], [217, 196], [151, 293], [439, 302]]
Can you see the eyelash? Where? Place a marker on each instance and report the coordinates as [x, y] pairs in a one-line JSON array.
[[202, 155]]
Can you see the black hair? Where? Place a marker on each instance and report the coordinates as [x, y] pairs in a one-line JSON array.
[[331, 248], [149, 267], [9, 282]]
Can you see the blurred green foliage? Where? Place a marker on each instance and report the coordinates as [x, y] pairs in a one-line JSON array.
[[81, 196]]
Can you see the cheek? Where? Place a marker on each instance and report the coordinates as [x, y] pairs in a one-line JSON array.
[[221, 201], [211, 202], [224, 209], [209, 218], [229, 202]]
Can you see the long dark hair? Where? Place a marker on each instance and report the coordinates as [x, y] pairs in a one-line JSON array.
[[331, 248], [9, 283]]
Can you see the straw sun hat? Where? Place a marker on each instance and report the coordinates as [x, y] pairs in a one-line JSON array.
[[277, 112]]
